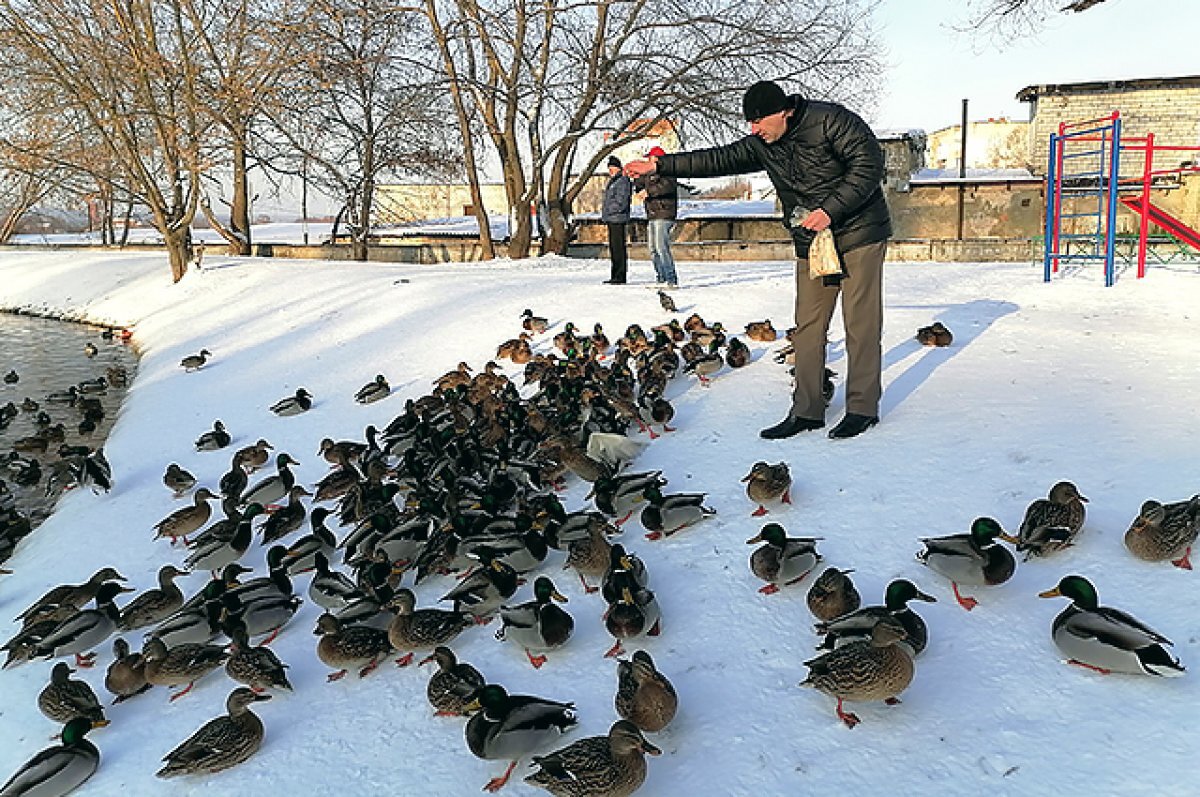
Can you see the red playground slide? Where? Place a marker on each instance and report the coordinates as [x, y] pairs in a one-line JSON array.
[[1165, 220]]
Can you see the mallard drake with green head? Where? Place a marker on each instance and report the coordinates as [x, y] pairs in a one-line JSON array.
[[873, 669], [331, 589], [154, 605], [421, 629], [663, 515], [633, 615], [1051, 524], [644, 695], [1107, 640], [181, 664], [975, 558], [766, 483], [126, 676], [256, 666], [266, 615], [85, 629], [621, 560], [537, 625], [288, 518], [295, 404], [533, 323], [273, 585], [273, 488], [57, 770], [183, 522], [1165, 532], [485, 588], [856, 625], [510, 727], [220, 743], [453, 686], [598, 766], [218, 553], [301, 555], [178, 480], [782, 560], [342, 647], [832, 594], [619, 495], [193, 362], [73, 595], [374, 390], [215, 439], [65, 698], [195, 624]]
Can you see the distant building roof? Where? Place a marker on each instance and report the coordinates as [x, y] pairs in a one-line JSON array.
[[898, 134], [934, 176], [1031, 93]]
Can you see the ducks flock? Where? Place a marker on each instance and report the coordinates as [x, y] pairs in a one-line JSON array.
[[462, 483]]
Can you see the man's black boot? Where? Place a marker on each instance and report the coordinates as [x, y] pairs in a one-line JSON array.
[[791, 426], [852, 426]]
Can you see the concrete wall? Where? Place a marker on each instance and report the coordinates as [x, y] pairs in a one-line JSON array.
[[992, 210]]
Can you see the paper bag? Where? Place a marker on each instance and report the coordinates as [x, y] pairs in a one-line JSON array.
[[823, 258]]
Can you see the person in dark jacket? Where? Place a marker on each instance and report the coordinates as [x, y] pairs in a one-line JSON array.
[[827, 168], [618, 193], [662, 208]]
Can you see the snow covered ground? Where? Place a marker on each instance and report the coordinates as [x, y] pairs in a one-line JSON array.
[[1044, 382]]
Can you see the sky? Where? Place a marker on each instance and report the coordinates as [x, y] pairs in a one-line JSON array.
[[932, 67], [1043, 382]]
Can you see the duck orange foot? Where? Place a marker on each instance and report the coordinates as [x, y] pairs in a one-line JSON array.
[[536, 661], [404, 660], [762, 510], [496, 784], [769, 589], [849, 718], [967, 602], [336, 676]]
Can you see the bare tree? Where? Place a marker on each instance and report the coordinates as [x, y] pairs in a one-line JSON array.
[[548, 78], [1005, 17], [367, 98], [122, 73], [243, 64]]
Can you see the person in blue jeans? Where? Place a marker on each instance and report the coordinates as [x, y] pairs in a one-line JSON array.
[[662, 208]]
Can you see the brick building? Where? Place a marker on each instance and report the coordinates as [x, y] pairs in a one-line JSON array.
[[1169, 107]]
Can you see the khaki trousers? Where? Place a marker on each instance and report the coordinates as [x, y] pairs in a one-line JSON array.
[[862, 310]]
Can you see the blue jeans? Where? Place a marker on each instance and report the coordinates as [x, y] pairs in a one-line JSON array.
[[659, 234]]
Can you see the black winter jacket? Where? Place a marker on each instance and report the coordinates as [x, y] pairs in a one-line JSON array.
[[662, 196], [828, 158]]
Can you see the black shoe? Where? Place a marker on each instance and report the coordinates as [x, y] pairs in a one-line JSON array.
[[791, 426], [852, 426], [614, 282]]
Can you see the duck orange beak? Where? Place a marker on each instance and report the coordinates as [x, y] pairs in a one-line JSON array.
[[1050, 593]]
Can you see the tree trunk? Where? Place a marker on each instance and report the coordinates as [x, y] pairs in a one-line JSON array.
[[179, 251], [239, 210], [559, 234]]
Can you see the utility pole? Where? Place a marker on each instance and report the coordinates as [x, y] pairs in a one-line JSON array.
[[962, 173]]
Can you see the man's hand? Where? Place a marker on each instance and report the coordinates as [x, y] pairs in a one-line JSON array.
[[816, 221], [636, 169]]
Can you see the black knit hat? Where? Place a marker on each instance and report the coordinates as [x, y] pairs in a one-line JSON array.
[[613, 160], [763, 99]]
